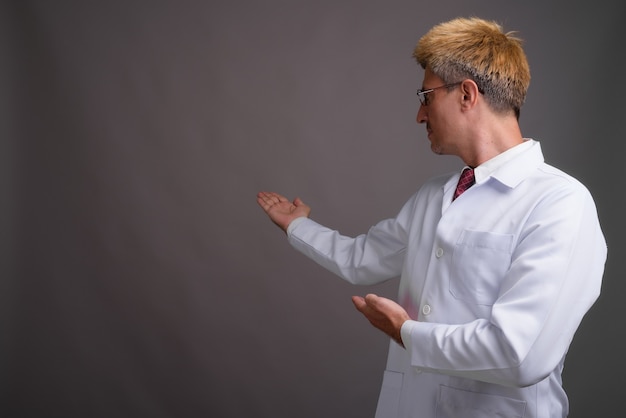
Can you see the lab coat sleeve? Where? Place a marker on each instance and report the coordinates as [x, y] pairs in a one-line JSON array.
[[554, 278], [366, 259]]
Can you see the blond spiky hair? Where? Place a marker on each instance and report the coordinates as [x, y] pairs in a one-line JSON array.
[[478, 49]]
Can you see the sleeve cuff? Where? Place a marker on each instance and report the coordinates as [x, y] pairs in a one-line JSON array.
[[405, 333], [294, 224]]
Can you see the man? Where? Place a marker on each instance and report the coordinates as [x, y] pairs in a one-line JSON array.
[[494, 281]]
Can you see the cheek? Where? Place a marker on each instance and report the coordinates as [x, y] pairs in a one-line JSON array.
[[441, 124]]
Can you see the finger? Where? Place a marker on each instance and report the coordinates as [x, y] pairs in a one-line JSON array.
[[372, 300], [269, 199], [263, 195], [276, 199], [264, 201], [261, 201], [359, 303]]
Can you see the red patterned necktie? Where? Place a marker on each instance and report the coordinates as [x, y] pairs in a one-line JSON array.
[[465, 182]]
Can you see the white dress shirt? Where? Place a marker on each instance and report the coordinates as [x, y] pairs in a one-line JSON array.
[[496, 284]]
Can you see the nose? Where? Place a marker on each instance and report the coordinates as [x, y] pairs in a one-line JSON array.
[[422, 114]]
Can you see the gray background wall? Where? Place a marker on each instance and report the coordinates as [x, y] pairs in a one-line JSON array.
[[139, 278]]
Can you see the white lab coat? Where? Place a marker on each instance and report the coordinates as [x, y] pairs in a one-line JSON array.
[[496, 284]]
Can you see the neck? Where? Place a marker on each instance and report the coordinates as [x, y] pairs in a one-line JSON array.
[[491, 138]]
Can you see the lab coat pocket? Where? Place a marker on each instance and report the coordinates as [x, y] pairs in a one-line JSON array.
[[454, 403], [480, 261], [389, 398]]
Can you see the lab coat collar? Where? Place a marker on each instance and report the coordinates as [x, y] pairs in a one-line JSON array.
[[520, 167], [510, 174]]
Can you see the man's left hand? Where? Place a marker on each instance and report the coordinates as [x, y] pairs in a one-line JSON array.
[[383, 313]]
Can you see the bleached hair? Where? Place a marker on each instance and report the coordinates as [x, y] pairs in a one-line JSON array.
[[478, 49]]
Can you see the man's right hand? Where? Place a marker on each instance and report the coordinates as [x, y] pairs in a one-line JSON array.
[[280, 210]]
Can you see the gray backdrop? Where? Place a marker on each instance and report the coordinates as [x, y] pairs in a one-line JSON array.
[[139, 277]]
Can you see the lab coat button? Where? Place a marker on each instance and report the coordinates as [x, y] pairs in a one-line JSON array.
[[439, 252], [426, 309]]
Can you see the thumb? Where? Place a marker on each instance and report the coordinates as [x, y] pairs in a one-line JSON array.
[[371, 299], [298, 202]]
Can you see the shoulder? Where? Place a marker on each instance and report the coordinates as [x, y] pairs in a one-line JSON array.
[[559, 178], [430, 191], [549, 175], [555, 185], [439, 181], [435, 185]]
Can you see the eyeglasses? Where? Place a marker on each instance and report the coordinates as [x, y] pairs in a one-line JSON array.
[[423, 94]]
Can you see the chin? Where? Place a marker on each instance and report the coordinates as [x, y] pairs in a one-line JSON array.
[[436, 149]]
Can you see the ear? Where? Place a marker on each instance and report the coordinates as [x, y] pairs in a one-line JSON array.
[[470, 93]]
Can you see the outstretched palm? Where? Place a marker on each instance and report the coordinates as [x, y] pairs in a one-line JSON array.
[[280, 210]]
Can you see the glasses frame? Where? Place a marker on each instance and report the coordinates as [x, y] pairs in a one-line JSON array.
[[422, 94]]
